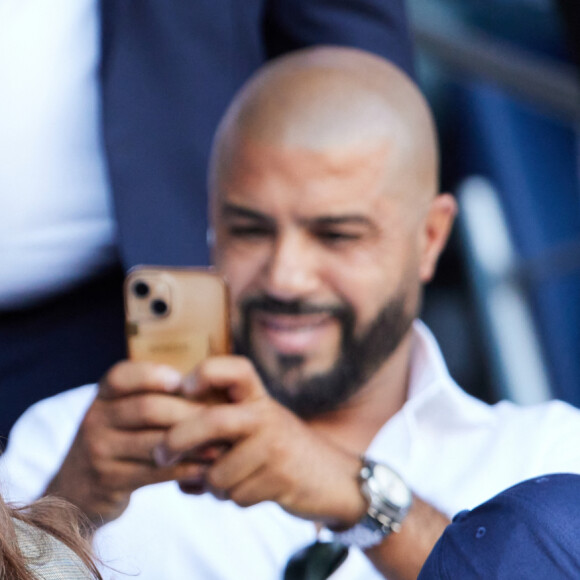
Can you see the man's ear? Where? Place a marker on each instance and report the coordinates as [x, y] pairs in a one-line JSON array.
[[437, 228]]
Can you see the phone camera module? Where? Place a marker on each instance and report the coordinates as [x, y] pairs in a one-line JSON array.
[[141, 289], [159, 307]]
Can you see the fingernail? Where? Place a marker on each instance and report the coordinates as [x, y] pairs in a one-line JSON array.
[[170, 378], [162, 457]]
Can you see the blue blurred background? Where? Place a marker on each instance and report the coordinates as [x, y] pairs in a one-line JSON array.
[[503, 79]]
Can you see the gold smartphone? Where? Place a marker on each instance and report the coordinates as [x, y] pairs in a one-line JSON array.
[[176, 316]]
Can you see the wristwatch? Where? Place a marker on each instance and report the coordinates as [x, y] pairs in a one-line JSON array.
[[389, 500]]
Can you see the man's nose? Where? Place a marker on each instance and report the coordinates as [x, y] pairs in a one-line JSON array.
[[292, 271]]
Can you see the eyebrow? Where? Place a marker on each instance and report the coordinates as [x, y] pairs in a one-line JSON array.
[[353, 219], [233, 210]]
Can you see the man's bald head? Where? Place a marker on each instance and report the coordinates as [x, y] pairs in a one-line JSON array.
[[331, 98]]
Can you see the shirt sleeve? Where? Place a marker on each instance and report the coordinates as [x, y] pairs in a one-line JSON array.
[[39, 442], [558, 426]]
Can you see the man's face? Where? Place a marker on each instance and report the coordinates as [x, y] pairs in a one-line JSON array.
[[322, 261]]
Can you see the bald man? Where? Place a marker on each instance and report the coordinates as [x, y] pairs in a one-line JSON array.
[[341, 421]]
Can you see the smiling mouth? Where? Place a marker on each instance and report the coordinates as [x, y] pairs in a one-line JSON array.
[[294, 333], [293, 322]]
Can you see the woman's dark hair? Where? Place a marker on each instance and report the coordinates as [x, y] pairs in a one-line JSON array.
[[52, 515]]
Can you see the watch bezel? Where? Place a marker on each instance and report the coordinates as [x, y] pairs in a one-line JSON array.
[[377, 497], [384, 515]]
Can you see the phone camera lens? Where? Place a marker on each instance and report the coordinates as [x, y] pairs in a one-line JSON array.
[[159, 307], [140, 289]]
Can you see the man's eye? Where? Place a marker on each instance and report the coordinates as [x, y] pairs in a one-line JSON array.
[[335, 237]]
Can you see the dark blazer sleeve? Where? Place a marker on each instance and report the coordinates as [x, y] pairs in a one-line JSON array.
[[379, 26]]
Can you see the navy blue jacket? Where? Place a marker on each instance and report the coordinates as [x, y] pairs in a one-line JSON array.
[[169, 69]]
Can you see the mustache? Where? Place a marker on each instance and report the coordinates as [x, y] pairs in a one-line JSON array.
[[272, 305]]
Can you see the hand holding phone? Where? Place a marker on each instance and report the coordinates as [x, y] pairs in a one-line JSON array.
[[179, 317]]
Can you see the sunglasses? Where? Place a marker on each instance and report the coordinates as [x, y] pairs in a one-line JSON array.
[[316, 561]]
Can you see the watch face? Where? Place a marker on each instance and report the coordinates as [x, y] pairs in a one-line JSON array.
[[386, 484]]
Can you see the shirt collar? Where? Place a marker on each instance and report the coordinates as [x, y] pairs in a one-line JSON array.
[[428, 369], [434, 402], [434, 398]]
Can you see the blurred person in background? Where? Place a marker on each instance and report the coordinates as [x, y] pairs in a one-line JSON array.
[[47, 540], [527, 531]]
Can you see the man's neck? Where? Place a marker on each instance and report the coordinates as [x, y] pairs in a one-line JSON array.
[[355, 425]]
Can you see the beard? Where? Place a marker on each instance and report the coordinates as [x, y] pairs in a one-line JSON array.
[[359, 357]]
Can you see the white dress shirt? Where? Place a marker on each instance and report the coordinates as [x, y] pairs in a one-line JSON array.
[[453, 450], [56, 223]]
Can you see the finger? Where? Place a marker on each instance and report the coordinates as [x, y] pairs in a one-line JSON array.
[[264, 484], [124, 446], [129, 475], [220, 423], [128, 377], [246, 475], [243, 461], [182, 472], [259, 486], [206, 453], [141, 411], [234, 374]]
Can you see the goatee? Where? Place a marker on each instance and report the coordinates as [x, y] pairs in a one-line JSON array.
[[359, 358]]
